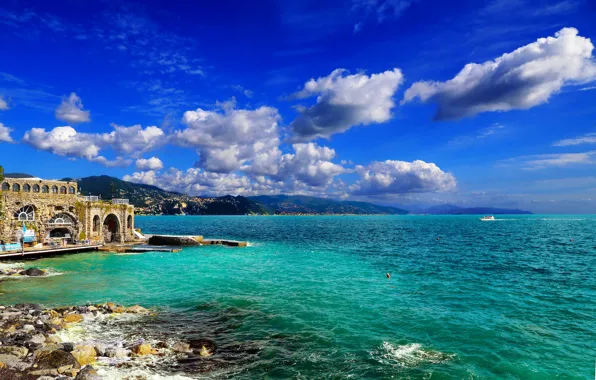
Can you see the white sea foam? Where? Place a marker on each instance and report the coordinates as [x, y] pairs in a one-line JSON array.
[[411, 355], [111, 373]]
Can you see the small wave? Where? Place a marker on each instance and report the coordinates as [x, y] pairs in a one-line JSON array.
[[411, 355], [112, 373], [11, 265], [565, 219], [249, 244]]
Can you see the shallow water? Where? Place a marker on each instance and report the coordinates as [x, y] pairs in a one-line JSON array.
[[514, 298]]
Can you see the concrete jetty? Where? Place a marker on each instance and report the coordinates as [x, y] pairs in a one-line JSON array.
[[188, 240], [35, 253]]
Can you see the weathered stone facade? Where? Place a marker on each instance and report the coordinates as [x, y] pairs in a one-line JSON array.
[[53, 209]]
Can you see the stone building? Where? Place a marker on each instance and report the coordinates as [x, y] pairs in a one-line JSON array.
[[55, 211]]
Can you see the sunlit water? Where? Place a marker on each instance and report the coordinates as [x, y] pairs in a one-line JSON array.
[[514, 298]]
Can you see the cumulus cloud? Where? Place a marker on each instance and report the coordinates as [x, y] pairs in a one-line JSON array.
[[401, 177], [5, 134], [344, 101], [522, 79], [152, 163], [3, 104], [588, 138], [310, 164], [71, 110], [135, 140], [228, 139]]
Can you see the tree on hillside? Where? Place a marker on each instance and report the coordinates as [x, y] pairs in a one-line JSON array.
[[1, 173]]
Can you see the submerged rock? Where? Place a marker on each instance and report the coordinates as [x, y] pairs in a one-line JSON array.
[[181, 347], [33, 272], [173, 240], [142, 349]]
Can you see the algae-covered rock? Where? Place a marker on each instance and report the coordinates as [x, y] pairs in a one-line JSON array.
[[73, 318], [142, 349]]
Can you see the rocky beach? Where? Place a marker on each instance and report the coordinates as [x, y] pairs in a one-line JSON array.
[[40, 343]]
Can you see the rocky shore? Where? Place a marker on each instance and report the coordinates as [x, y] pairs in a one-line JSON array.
[[29, 272], [32, 344]]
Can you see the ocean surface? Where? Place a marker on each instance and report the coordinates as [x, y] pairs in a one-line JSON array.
[[309, 298]]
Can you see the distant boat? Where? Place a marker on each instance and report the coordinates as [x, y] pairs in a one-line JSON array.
[[488, 217]]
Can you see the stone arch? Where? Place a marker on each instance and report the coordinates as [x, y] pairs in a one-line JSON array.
[[54, 189], [25, 214], [71, 190], [63, 218], [96, 223], [36, 188], [45, 189], [62, 189], [129, 222], [111, 229], [5, 186], [16, 187], [26, 188]]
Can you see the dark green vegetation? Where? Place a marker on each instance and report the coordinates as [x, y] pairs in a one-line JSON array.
[[455, 210], [152, 200]]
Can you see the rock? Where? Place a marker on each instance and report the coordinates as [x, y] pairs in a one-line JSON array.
[[204, 347], [84, 354], [172, 240], [55, 359], [34, 272], [117, 352], [19, 352], [13, 362], [45, 372], [161, 345], [73, 318], [57, 321], [181, 347], [118, 309], [38, 339], [28, 328], [68, 347], [142, 349], [205, 352], [2, 365], [87, 373], [28, 306], [136, 309], [53, 339]]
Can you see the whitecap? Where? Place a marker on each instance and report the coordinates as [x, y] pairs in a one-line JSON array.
[[410, 355]]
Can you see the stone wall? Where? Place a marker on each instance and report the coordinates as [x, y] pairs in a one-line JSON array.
[[43, 212]]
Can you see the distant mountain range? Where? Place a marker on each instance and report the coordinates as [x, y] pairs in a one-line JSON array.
[[456, 210], [151, 200]]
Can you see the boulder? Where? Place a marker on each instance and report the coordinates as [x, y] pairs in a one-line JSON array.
[[28, 306], [45, 372], [33, 272], [11, 361], [204, 347], [87, 373], [142, 349], [28, 328], [117, 353], [173, 240], [181, 347], [84, 354], [38, 339], [18, 351], [161, 345], [55, 359], [54, 339], [73, 318], [136, 309]]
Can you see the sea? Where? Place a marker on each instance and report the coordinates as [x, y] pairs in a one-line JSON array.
[[310, 298]]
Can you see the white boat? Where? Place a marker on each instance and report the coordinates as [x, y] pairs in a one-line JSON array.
[[488, 217]]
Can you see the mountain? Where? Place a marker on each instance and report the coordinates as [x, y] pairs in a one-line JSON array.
[[152, 200], [299, 204], [456, 210]]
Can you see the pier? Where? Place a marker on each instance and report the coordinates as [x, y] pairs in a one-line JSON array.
[[35, 253]]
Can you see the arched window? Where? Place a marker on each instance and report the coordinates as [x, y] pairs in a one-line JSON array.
[[62, 189], [129, 222], [27, 188], [45, 189], [96, 222], [16, 187], [5, 186], [61, 219], [71, 190], [36, 188], [25, 214], [54, 189]]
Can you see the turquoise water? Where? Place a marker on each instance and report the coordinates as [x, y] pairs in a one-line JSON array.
[[513, 298]]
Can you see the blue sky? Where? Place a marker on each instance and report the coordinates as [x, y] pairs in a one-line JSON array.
[[394, 101]]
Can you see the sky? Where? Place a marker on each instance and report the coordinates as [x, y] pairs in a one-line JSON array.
[[400, 102]]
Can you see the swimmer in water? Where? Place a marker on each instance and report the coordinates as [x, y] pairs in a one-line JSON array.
[[388, 276]]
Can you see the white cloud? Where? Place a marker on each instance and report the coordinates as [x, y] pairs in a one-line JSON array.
[[66, 141], [480, 135], [310, 164], [525, 78], [344, 101], [401, 177], [135, 140], [152, 163], [229, 138], [3, 104], [71, 110], [543, 161], [588, 138], [5, 134]]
